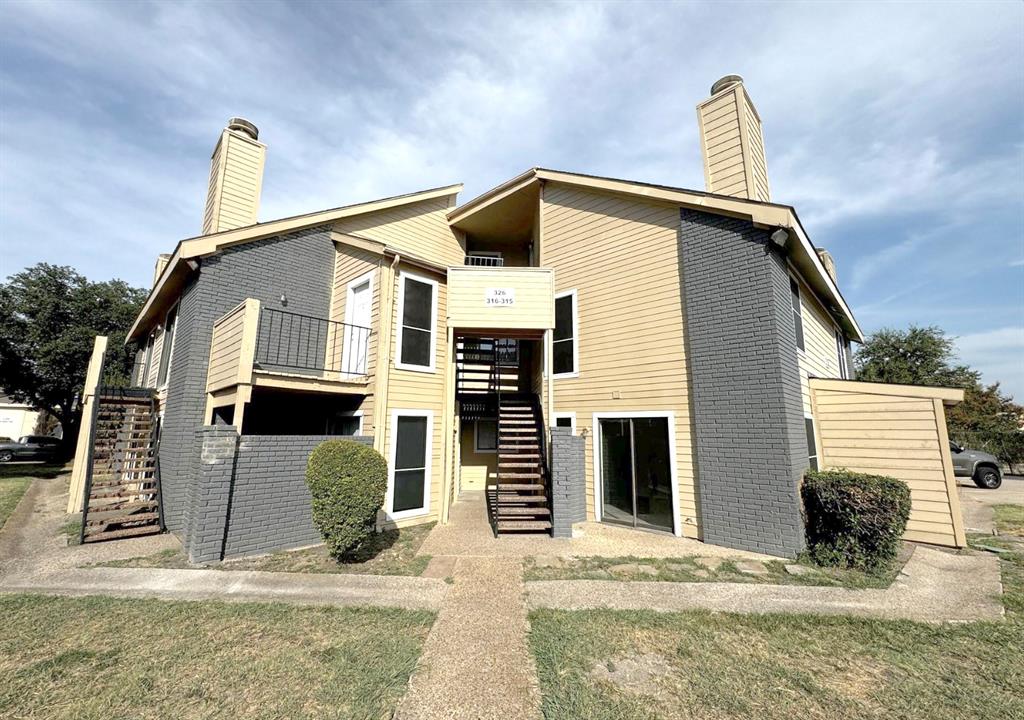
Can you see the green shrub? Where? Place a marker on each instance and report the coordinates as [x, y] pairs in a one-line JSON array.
[[854, 520], [347, 481]]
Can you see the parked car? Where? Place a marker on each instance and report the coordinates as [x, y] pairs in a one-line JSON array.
[[981, 466], [30, 447]]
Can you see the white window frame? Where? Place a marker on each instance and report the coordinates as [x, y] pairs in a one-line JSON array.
[[353, 414], [844, 365], [163, 345], [476, 437], [677, 526], [575, 337], [814, 437], [802, 351], [428, 457], [572, 418], [399, 327], [346, 357]]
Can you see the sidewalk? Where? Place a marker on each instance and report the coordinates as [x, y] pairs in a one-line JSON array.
[[934, 587]]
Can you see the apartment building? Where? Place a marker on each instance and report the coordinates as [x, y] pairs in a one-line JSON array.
[[576, 348]]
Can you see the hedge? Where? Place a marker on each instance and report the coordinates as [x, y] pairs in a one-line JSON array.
[[854, 520], [348, 481]]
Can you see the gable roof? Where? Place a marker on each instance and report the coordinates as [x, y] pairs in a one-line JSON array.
[[763, 214], [182, 261]]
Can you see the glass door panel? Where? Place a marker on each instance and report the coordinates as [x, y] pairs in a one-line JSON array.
[[636, 472], [616, 471], [653, 473]]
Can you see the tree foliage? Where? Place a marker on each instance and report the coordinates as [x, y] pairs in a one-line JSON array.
[[49, 316], [986, 420]]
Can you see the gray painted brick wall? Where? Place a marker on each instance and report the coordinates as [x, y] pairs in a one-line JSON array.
[[299, 265], [749, 438], [211, 500], [270, 504], [568, 481], [250, 494]]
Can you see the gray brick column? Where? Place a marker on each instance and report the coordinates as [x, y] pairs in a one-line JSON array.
[[568, 483], [211, 495], [749, 438]]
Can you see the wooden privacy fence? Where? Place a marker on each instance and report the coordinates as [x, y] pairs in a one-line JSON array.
[[899, 431]]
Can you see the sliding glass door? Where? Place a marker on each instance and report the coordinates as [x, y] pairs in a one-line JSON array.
[[636, 472]]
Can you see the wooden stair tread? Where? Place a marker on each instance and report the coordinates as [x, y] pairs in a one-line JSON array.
[[523, 525], [119, 517], [503, 510], [518, 486], [123, 533]]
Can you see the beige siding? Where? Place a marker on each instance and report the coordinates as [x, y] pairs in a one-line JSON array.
[[899, 436], [236, 176], [532, 290], [153, 371], [733, 145], [351, 263], [621, 256], [410, 390], [419, 228], [474, 468], [820, 357], [226, 350]]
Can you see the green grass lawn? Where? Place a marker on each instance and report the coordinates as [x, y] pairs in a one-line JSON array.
[[618, 664], [392, 552], [690, 569], [14, 481], [103, 658]]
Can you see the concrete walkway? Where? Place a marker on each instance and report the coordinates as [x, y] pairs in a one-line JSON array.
[[469, 534], [476, 663], [934, 587], [236, 586]]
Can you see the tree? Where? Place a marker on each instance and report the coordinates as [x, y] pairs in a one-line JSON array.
[[986, 420], [49, 316]]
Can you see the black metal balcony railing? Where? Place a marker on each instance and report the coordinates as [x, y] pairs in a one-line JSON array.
[[303, 343], [485, 260]]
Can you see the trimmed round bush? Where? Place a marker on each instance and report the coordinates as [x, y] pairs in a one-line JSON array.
[[348, 481], [854, 520]]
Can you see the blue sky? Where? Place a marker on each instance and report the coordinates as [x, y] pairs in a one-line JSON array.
[[896, 130]]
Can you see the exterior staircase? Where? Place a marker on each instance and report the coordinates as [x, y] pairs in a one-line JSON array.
[[520, 498], [122, 487]]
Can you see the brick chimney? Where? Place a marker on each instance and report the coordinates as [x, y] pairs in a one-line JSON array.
[[236, 178], [731, 142]]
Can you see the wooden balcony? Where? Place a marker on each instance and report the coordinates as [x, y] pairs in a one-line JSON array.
[[262, 347], [501, 298]]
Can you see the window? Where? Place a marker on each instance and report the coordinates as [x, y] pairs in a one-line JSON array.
[[812, 446], [345, 423], [566, 420], [485, 436], [165, 354], [798, 320], [147, 358], [841, 349], [417, 313], [565, 348], [409, 474]]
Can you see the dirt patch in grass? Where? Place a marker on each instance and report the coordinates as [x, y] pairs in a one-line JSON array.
[[392, 552], [11, 491], [101, 658], [1009, 519], [633, 673], [776, 667], [697, 569]]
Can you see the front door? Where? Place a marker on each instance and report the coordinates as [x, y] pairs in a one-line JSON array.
[[636, 472], [357, 317]]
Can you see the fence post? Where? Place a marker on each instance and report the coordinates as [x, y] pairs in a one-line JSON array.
[[85, 428]]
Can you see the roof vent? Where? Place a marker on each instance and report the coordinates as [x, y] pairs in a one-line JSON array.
[[244, 126], [725, 83]]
